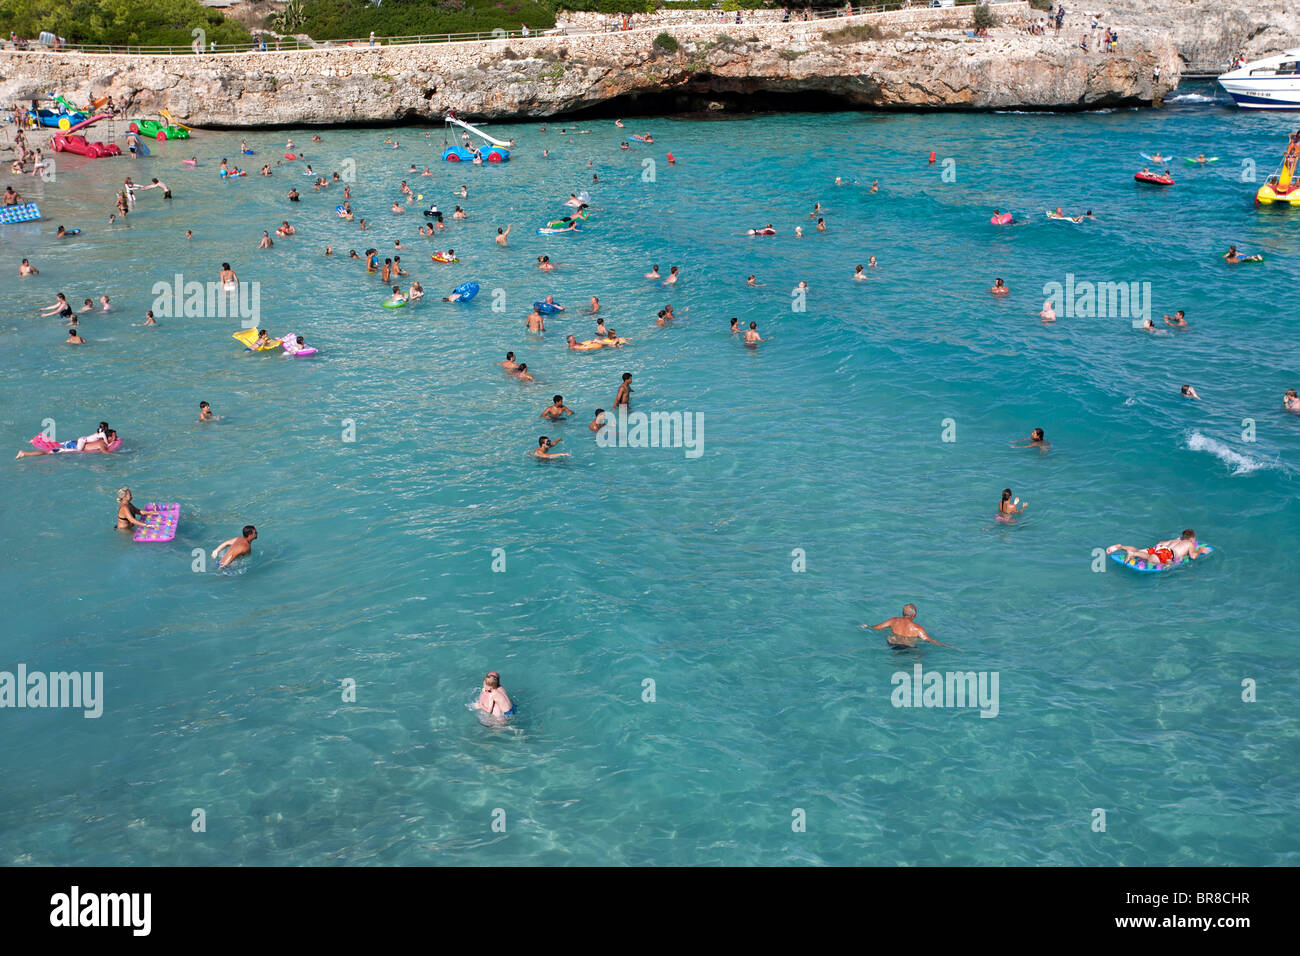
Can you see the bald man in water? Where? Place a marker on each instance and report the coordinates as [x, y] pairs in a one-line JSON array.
[[904, 631]]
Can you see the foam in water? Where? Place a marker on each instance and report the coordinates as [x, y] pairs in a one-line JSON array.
[[1241, 464]]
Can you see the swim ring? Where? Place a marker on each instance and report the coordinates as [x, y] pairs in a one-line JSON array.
[[547, 308], [466, 291], [1001, 220]]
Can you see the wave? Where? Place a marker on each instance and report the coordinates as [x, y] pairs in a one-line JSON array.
[[1241, 464], [1191, 98]]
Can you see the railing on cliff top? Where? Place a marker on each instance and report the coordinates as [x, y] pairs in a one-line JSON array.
[[284, 44]]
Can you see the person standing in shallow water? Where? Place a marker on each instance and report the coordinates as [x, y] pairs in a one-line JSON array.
[[493, 699], [904, 631]]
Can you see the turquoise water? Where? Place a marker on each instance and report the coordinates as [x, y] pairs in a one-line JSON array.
[[1118, 691]]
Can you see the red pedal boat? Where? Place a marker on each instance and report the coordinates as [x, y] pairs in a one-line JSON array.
[[1153, 179]]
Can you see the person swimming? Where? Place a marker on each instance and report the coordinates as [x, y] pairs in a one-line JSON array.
[[128, 515], [1037, 440], [999, 288], [493, 699], [544, 446], [904, 632], [556, 410], [1188, 392], [1173, 551], [236, 547], [1008, 509]]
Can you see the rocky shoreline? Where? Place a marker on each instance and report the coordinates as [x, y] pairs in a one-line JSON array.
[[913, 59]]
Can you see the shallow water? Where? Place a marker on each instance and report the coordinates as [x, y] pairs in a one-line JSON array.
[[374, 563]]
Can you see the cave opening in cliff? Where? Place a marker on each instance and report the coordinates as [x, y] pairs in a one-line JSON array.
[[700, 101]]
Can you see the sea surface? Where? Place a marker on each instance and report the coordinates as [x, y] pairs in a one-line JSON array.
[[680, 633]]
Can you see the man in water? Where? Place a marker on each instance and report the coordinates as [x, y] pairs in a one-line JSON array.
[[904, 631], [1182, 548], [74, 338], [1178, 319], [1189, 392], [510, 365], [751, 335], [27, 269], [1290, 401], [492, 698], [535, 322], [556, 410], [544, 446], [503, 235], [999, 288], [238, 547], [598, 422], [205, 413], [624, 396]]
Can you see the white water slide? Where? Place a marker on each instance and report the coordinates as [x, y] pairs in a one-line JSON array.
[[478, 132]]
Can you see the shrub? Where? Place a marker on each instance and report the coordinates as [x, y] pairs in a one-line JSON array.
[[1042, 5], [853, 33], [120, 22], [350, 19], [984, 17], [666, 42]]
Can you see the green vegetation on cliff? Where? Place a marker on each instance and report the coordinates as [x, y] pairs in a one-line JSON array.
[[120, 22], [352, 19]]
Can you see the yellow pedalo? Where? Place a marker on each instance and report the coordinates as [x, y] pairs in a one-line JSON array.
[[1282, 188]]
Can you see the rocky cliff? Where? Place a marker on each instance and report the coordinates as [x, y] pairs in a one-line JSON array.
[[916, 59]]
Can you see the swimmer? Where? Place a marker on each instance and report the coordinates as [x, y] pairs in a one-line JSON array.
[[262, 339], [1232, 257], [397, 267], [1008, 509], [523, 374], [189, 234], [544, 446], [27, 269], [427, 172], [624, 397], [510, 365], [493, 700], [397, 208], [653, 273], [459, 214], [502, 235], [74, 338], [752, 337], [735, 325], [672, 276], [59, 308], [205, 413], [1035, 440], [1178, 319], [798, 232], [598, 422], [329, 250], [128, 515], [1049, 313], [999, 288], [601, 331], [1148, 326], [386, 275], [88, 306], [752, 282], [875, 185], [550, 300], [767, 230], [149, 319], [904, 631], [858, 273], [1189, 392], [872, 263], [595, 307], [1182, 548], [95, 443], [415, 294], [1290, 401], [104, 304], [821, 225], [535, 322], [238, 547], [556, 410], [266, 242], [397, 298], [544, 264]]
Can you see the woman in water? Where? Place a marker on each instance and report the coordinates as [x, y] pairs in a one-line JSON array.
[[128, 515], [858, 273], [1007, 508], [229, 281], [1035, 440]]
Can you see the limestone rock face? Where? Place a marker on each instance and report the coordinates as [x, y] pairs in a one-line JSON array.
[[917, 59]]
